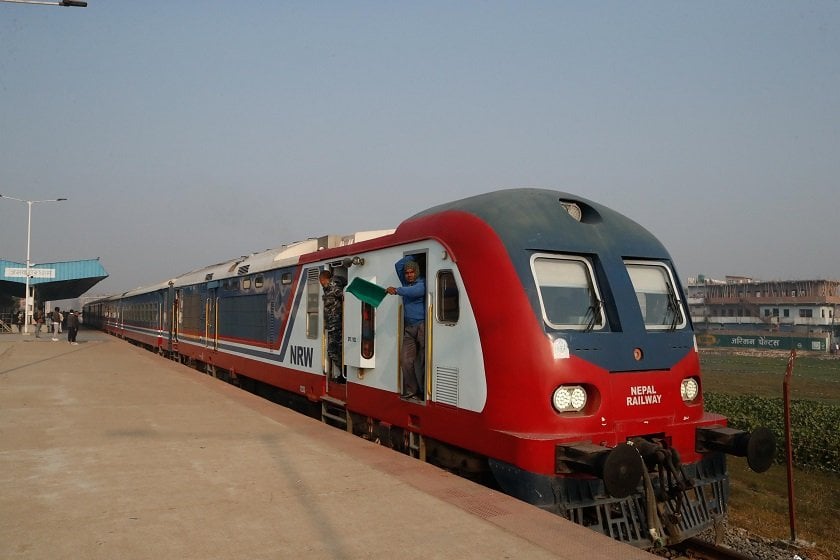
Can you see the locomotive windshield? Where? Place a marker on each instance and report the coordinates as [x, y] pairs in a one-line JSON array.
[[657, 295], [568, 294]]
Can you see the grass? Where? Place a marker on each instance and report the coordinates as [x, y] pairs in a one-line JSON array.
[[762, 374], [759, 502]]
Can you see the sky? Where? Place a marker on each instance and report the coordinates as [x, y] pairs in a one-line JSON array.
[[187, 133]]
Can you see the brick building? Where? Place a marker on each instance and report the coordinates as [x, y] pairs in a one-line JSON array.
[[800, 307]]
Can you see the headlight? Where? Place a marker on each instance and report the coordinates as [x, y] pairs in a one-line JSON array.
[[569, 398], [689, 389]]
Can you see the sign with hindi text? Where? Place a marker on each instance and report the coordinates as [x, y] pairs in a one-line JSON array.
[[33, 273]]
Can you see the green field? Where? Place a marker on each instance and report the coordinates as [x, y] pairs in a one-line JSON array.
[[759, 502], [762, 374]]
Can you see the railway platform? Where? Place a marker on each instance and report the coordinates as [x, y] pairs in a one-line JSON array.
[[108, 451]]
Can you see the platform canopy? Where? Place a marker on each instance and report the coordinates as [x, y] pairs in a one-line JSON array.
[[52, 281]]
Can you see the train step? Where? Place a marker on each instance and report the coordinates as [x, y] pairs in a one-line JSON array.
[[334, 412]]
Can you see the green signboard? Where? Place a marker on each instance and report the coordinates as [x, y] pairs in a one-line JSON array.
[[761, 342]]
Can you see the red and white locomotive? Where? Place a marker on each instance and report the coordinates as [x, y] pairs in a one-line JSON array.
[[560, 359]]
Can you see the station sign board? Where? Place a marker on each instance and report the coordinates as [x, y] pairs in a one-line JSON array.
[[33, 273]]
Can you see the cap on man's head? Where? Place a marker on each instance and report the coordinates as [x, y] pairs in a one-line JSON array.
[[411, 265]]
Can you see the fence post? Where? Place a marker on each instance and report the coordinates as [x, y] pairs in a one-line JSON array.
[[789, 445]]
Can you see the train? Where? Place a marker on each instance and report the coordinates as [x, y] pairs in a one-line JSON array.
[[561, 364]]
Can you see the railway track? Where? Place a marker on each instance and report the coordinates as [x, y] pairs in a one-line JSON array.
[[698, 549]]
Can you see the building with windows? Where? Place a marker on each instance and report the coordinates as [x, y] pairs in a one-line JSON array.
[[806, 308]]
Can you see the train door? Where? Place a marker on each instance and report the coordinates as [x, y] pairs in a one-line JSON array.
[[330, 286], [423, 360], [162, 314], [414, 340], [211, 316], [121, 319], [359, 344], [177, 316]]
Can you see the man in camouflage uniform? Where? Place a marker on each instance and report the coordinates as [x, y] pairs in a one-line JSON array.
[[333, 306]]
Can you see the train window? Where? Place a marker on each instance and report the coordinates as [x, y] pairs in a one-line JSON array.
[[286, 278], [658, 297], [568, 294], [258, 281], [192, 311], [368, 326], [447, 297], [245, 316], [246, 283]]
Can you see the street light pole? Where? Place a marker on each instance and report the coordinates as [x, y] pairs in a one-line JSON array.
[[66, 3], [30, 301]]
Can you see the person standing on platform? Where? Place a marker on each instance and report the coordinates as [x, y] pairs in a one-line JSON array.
[[72, 327], [413, 351], [56, 323], [39, 320]]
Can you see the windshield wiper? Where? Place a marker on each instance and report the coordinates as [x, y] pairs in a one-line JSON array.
[[594, 314], [673, 306]]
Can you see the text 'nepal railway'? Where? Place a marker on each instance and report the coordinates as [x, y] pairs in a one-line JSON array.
[[554, 354]]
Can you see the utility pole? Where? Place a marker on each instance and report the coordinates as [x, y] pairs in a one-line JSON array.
[[30, 300]]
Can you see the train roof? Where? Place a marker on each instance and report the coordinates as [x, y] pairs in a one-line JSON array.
[[285, 255], [536, 218]]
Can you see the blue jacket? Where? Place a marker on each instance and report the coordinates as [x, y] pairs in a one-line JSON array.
[[414, 295]]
